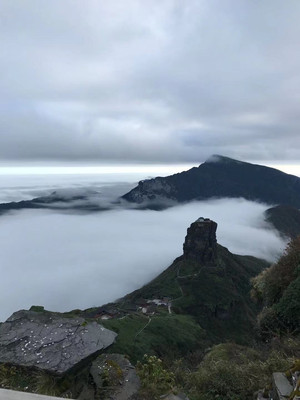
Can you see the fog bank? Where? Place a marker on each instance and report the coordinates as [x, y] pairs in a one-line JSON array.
[[64, 261]]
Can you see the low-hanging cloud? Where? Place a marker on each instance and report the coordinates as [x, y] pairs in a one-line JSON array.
[[72, 261]]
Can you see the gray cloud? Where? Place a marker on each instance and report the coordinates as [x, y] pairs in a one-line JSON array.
[[153, 80]]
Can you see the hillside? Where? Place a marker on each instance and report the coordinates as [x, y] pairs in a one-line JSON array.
[[219, 177], [195, 322], [209, 283], [278, 290], [285, 219]]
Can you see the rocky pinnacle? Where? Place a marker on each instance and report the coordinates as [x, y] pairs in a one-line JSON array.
[[200, 242]]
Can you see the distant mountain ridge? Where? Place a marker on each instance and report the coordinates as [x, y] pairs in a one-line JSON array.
[[218, 177]]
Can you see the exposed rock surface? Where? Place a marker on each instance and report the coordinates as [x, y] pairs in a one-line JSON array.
[[200, 242], [49, 341], [15, 395], [221, 177], [111, 376], [281, 385], [152, 190]]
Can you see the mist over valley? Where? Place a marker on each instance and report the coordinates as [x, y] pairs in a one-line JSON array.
[[67, 259]]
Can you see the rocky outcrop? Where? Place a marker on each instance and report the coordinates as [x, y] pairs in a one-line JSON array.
[[220, 177], [152, 190], [284, 385], [114, 377], [49, 341], [200, 242], [281, 386]]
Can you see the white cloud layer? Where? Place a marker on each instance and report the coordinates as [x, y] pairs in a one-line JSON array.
[[66, 261]]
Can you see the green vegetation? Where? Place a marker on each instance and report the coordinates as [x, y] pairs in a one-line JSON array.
[[216, 296], [12, 376], [36, 381], [285, 219], [278, 290], [110, 375], [37, 308], [155, 379], [227, 372], [210, 305], [164, 284], [231, 372], [164, 335]]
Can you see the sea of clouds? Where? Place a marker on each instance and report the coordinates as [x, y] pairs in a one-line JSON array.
[[72, 260]]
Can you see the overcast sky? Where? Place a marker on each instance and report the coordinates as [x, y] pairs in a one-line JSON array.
[[149, 80]]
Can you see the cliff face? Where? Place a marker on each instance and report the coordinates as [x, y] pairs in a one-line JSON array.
[[220, 177], [200, 242]]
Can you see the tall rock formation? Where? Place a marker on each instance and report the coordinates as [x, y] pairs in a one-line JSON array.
[[200, 242], [209, 283]]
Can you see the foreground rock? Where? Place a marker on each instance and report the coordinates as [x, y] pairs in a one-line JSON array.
[[15, 395], [113, 378], [281, 385], [49, 341]]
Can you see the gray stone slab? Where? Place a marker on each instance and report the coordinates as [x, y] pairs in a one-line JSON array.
[[281, 385], [14, 395], [49, 341]]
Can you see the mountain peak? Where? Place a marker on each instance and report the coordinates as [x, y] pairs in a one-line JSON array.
[[217, 158], [200, 242], [220, 177]]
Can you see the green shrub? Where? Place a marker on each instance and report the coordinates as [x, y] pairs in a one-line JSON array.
[[37, 308], [155, 379], [278, 289], [288, 308], [232, 372]]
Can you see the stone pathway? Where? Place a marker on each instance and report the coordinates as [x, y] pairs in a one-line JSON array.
[[14, 395]]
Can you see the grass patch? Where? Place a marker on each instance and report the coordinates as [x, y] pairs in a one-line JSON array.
[[165, 335]]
